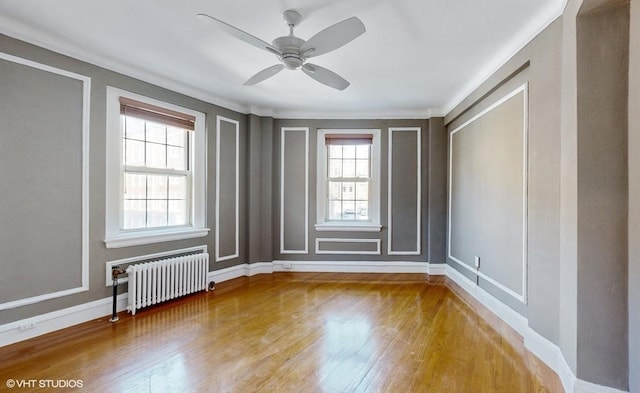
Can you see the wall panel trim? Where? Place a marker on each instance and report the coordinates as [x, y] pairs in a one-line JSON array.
[[283, 134], [236, 253], [84, 265], [522, 297], [344, 240], [418, 131]]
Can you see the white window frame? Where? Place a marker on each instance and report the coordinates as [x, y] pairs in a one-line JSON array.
[[115, 237], [371, 225]]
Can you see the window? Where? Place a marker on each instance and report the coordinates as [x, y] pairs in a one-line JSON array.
[[348, 180], [155, 171]]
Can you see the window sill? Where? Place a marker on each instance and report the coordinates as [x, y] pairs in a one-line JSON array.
[[138, 239], [348, 227]]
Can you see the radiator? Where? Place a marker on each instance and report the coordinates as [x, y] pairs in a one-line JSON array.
[[158, 281]]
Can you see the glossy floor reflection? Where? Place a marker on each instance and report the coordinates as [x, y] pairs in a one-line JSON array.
[[294, 332]]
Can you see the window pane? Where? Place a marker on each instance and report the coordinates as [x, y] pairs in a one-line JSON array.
[[348, 191], [157, 187], [362, 191], [362, 151], [156, 155], [156, 132], [135, 215], [178, 187], [348, 210], [335, 151], [133, 152], [178, 213], [176, 136], [362, 168], [156, 213], [335, 210], [134, 128], [362, 211], [335, 168], [335, 190], [176, 158], [349, 168], [135, 186], [349, 151]]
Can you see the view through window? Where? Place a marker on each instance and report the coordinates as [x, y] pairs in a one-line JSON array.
[[156, 174], [348, 177]]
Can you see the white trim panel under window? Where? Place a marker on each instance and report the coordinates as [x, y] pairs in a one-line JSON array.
[[175, 166]]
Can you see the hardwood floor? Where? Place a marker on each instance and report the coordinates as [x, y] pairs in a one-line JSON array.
[[292, 332]]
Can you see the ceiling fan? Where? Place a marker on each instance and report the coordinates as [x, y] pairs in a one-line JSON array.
[[293, 52]]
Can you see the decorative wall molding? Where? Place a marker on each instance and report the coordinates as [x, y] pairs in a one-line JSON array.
[[522, 297], [418, 132], [343, 240], [86, 105], [236, 253], [284, 130]]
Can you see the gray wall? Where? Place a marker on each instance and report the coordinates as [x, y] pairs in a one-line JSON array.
[[487, 193], [568, 299], [602, 59], [41, 150], [538, 63], [634, 199], [436, 191], [54, 270], [431, 199]]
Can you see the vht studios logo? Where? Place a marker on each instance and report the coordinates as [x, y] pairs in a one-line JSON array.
[[44, 383]]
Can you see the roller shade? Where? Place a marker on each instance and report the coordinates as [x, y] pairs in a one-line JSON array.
[[141, 110], [348, 139]]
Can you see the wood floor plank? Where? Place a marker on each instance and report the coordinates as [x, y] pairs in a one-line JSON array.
[[293, 332]]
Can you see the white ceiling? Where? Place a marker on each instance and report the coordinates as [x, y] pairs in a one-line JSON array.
[[418, 58]]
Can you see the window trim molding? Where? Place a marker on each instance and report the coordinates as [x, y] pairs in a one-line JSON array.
[[114, 236], [374, 224]]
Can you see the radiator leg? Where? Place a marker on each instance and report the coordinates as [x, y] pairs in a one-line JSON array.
[[115, 272]]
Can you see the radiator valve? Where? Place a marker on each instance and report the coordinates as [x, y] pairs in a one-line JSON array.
[[115, 272]]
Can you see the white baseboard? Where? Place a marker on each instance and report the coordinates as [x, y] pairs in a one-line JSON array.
[[437, 269], [504, 312], [46, 323], [351, 266]]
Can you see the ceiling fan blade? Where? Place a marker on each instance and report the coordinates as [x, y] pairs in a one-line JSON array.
[[264, 74], [242, 35], [325, 76], [333, 37]]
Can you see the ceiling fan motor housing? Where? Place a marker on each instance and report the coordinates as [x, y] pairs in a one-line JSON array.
[[289, 46]]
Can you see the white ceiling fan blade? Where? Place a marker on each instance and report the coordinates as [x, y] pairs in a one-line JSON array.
[[242, 35], [325, 76], [264, 74], [333, 37]]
